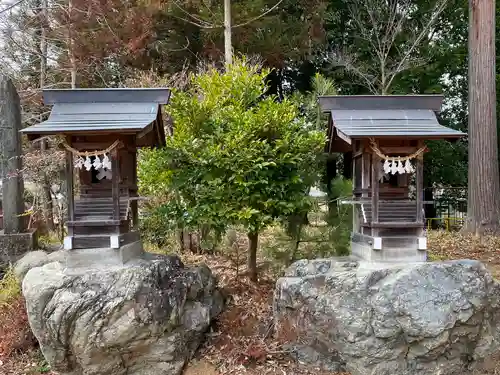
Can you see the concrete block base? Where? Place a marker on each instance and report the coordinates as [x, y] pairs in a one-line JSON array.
[[13, 246], [390, 250], [104, 257]]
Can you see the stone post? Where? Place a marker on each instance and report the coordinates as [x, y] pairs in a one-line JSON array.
[[10, 158]]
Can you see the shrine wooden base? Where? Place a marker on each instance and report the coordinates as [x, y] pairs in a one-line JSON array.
[[92, 241]]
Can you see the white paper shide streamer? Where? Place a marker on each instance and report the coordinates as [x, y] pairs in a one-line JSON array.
[[97, 163], [87, 164], [102, 164], [79, 162], [397, 166], [106, 163]]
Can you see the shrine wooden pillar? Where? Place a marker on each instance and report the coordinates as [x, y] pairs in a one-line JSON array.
[[68, 240], [115, 183], [69, 183], [375, 189], [134, 203], [419, 181]]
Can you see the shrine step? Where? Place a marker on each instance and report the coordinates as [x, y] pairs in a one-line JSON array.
[[98, 211]]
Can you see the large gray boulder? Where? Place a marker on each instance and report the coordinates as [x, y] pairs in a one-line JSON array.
[[33, 259], [426, 319], [146, 317]]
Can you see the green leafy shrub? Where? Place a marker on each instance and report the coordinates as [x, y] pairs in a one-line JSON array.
[[339, 216], [236, 158], [326, 233], [157, 227]]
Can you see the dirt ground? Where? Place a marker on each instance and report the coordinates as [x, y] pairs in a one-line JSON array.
[[236, 347], [241, 341]]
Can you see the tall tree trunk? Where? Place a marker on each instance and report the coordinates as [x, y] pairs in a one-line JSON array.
[[47, 203], [331, 174], [71, 45], [228, 47], [281, 96], [43, 44], [48, 209], [483, 202], [253, 241]]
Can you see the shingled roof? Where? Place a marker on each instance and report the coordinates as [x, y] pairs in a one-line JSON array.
[[372, 116], [102, 111]]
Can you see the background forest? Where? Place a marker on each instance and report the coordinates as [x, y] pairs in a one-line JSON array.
[[239, 179], [293, 51]]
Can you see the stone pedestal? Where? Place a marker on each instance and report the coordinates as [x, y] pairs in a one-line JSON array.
[[14, 246], [146, 317], [10, 158], [104, 257], [372, 318]]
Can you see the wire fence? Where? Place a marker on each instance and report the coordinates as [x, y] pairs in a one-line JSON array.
[[448, 210]]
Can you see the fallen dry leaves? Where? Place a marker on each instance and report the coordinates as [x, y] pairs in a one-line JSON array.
[[241, 341], [30, 362], [14, 328], [18, 347], [455, 245]]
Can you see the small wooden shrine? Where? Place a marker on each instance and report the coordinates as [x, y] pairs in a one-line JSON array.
[[101, 130], [386, 136]]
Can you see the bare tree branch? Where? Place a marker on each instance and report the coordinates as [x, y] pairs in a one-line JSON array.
[[197, 24], [260, 16], [439, 8], [353, 66], [12, 6], [381, 24], [207, 25], [204, 24]]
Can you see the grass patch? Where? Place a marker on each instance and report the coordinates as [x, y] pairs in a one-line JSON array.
[[49, 240], [9, 288]]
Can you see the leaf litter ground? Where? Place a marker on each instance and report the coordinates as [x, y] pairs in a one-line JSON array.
[[241, 340]]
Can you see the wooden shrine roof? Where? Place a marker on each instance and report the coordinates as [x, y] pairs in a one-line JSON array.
[[103, 111], [388, 116]]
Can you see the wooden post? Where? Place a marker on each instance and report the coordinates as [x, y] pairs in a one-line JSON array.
[[70, 192], [419, 181], [134, 204], [375, 188], [365, 174], [115, 180], [10, 158], [356, 209]]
